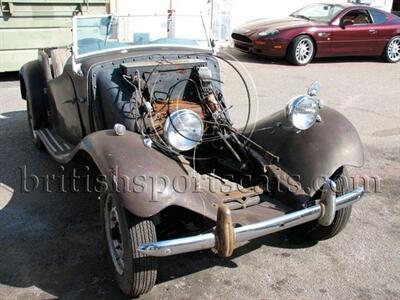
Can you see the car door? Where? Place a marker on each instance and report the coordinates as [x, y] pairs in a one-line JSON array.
[[353, 34], [382, 30]]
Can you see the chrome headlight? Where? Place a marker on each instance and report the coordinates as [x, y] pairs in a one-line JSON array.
[[302, 112], [268, 33], [183, 129]]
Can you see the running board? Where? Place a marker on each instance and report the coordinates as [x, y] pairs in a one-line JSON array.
[[55, 145]]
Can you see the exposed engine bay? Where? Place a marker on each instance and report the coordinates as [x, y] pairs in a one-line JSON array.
[[179, 109]]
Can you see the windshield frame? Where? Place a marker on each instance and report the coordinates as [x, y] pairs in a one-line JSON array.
[[78, 57], [294, 14]]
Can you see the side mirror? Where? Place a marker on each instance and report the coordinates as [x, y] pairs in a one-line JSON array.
[[347, 22]]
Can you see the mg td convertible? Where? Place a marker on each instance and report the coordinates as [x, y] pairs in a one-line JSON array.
[[142, 98]]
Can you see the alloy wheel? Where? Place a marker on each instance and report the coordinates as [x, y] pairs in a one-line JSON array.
[[394, 49], [304, 51]]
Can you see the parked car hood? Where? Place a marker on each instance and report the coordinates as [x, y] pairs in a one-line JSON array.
[[281, 24]]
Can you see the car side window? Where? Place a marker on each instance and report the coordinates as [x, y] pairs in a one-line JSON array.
[[357, 17], [379, 17]]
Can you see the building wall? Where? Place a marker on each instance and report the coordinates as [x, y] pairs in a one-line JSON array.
[[241, 10], [224, 15], [138, 7]]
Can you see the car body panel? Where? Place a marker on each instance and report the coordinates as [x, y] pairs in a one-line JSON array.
[[32, 86], [150, 172], [64, 111], [310, 154], [145, 179]]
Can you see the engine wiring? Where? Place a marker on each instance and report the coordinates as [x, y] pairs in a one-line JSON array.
[[220, 121]]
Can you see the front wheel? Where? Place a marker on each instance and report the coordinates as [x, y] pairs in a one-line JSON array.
[[313, 230], [301, 50], [392, 50], [134, 272]]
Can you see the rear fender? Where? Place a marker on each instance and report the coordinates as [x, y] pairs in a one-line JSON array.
[[313, 154], [32, 86]]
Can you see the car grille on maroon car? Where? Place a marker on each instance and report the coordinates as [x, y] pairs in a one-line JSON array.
[[241, 38]]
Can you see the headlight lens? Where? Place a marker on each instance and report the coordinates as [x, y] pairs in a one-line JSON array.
[[268, 33], [302, 112], [183, 129]]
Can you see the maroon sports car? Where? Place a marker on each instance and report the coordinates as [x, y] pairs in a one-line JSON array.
[[323, 30]]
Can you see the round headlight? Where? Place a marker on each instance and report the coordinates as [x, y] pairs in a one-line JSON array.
[[183, 129], [302, 112]]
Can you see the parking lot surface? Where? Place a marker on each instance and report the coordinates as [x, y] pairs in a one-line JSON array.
[[51, 244]]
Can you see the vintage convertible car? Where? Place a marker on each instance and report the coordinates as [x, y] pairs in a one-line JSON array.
[[143, 99]]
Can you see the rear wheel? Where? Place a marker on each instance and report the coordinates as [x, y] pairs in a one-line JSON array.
[[301, 50], [134, 272], [314, 231], [392, 50]]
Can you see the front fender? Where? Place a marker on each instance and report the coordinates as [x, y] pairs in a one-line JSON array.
[[155, 180], [309, 155]]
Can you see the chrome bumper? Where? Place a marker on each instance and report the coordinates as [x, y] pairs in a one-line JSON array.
[[328, 203]]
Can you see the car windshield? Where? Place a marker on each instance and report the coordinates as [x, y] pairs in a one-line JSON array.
[[95, 34], [319, 12]]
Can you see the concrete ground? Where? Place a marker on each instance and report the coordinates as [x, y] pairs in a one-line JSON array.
[[51, 245]]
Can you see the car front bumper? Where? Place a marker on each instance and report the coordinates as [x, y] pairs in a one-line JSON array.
[[324, 211], [267, 47]]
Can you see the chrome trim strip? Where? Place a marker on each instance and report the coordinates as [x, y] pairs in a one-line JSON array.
[[247, 232]]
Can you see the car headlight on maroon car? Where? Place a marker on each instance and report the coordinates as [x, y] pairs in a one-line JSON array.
[[183, 129], [267, 33], [302, 112]]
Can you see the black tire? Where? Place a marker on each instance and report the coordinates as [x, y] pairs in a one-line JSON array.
[[313, 231], [291, 55], [34, 137], [139, 272], [387, 56]]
